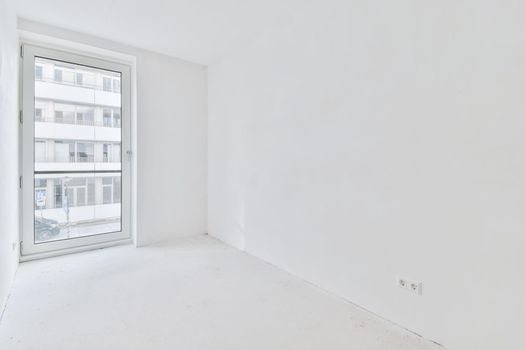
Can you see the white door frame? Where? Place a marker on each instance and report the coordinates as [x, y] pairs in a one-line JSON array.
[[29, 249]]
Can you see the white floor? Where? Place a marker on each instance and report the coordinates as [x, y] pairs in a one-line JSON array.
[[191, 294]]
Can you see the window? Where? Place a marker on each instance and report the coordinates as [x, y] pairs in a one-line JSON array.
[[107, 190], [106, 117], [39, 72], [116, 85], [69, 197], [72, 114], [40, 151], [76, 189], [111, 118], [77, 181], [106, 84], [67, 193], [64, 151], [59, 117], [81, 196], [85, 116], [85, 152], [58, 195], [91, 191], [58, 75], [40, 183], [116, 119], [79, 78], [111, 189], [116, 153], [111, 84], [80, 191], [116, 190], [38, 115], [64, 113], [80, 118], [105, 153]]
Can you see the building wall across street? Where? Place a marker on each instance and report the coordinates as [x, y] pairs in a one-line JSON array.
[[77, 128]]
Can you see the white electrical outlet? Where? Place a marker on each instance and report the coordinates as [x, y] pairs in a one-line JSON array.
[[410, 285]]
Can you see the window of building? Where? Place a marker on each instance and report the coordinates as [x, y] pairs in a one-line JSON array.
[[111, 190], [40, 183], [116, 85], [85, 152], [107, 190], [106, 117], [116, 119], [77, 181], [58, 194], [38, 115], [39, 72], [80, 118], [79, 78], [64, 151], [40, 151], [116, 190], [58, 75], [77, 192], [85, 116], [115, 154], [106, 84], [69, 200], [111, 118], [59, 117], [72, 114], [65, 113], [105, 153], [91, 191], [81, 196]]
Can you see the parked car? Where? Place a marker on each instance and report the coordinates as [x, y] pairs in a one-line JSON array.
[[45, 229]]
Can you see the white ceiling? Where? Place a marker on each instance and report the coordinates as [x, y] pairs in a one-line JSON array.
[[195, 30]]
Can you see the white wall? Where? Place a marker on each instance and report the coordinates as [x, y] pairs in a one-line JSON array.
[[8, 145], [361, 140], [173, 148], [171, 139]]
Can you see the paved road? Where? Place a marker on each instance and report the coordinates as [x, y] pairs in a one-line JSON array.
[[87, 230]]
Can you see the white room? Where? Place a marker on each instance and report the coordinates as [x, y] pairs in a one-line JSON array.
[[262, 174]]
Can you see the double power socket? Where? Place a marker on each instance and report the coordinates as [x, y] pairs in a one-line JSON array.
[[410, 285]]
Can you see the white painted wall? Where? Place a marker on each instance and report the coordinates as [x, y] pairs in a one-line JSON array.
[[171, 138], [360, 140], [8, 145], [173, 148]]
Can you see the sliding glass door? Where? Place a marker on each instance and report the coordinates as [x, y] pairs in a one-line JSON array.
[[76, 166]]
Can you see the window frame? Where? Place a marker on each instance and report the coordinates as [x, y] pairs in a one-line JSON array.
[[30, 249]]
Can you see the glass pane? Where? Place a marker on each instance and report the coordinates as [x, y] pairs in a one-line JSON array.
[[75, 206], [77, 151]]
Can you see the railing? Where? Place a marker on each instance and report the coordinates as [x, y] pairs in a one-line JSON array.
[[83, 85], [80, 122], [72, 160], [85, 159]]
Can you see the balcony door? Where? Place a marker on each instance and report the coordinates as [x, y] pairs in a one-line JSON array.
[[76, 142]]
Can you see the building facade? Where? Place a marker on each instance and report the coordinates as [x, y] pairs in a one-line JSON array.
[[77, 150]]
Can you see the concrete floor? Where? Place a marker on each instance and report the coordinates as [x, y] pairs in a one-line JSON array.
[[195, 293]]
